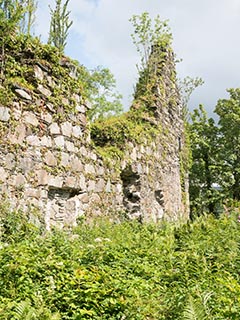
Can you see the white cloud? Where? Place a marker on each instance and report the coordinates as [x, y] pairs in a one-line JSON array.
[[205, 35]]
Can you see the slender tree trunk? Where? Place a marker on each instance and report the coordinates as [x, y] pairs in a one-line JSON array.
[[211, 204], [236, 175], [3, 60]]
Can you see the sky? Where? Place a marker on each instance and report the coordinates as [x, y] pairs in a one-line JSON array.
[[205, 38]]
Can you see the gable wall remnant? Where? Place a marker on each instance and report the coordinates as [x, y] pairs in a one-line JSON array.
[[48, 160]]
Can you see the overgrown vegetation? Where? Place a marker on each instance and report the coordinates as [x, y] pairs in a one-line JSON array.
[[105, 100], [17, 16], [115, 131], [20, 52], [139, 125], [121, 271], [59, 25], [128, 270], [215, 174], [152, 39]]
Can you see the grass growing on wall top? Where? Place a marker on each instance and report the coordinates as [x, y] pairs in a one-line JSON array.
[[117, 130]]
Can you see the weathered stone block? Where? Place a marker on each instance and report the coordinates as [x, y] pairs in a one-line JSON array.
[[23, 94], [38, 72], [119, 200], [70, 146], [89, 168], [88, 104], [50, 107], [82, 183], [139, 168], [56, 182], [70, 182], [76, 165], [26, 164], [3, 174], [84, 198], [44, 194], [18, 137], [72, 117], [76, 97], [59, 141], [50, 81], [148, 151], [82, 119], [4, 114], [100, 185], [33, 140], [118, 188], [76, 132], [46, 117], [46, 92], [46, 142], [81, 108], [71, 207], [18, 180], [108, 188], [10, 161], [64, 159], [33, 193], [92, 156], [42, 177], [100, 171], [30, 118], [50, 159], [133, 154], [54, 128], [95, 198], [91, 185], [83, 151], [66, 128]]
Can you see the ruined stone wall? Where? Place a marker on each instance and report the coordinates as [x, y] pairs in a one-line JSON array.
[[49, 162]]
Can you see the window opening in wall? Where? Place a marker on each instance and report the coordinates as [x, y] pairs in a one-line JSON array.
[[159, 197], [58, 198], [131, 192]]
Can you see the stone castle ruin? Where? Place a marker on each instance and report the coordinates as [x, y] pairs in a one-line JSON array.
[[50, 158]]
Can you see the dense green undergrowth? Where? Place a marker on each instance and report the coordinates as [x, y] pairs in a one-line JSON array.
[[121, 271]]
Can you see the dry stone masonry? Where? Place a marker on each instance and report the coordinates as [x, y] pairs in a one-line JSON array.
[[48, 160]]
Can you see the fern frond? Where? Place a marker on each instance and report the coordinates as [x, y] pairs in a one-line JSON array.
[[25, 311], [55, 316], [194, 310]]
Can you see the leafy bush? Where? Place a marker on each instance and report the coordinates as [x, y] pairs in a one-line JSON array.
[[124, 271], [17, 225]]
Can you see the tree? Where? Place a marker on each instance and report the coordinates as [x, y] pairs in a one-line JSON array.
[[28, 19], [17, 16], [147, 34], [59, 25], [186, 87], [152, 38], [215, 173], [11, 13], [228, 111], [102, 94], [205, 181]]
